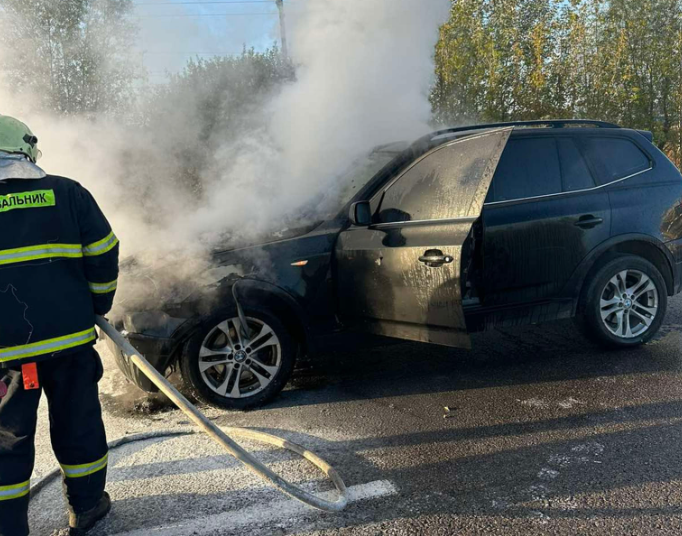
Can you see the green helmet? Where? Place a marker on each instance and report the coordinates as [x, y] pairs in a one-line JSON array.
[[17, 138]]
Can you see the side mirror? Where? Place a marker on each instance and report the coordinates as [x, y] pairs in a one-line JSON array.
[[361, 214]]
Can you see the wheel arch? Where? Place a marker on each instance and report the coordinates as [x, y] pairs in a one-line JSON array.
[[252, 291], [642, 246]]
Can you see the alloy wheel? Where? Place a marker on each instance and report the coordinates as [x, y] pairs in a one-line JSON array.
[[629, 304], [235, 364]]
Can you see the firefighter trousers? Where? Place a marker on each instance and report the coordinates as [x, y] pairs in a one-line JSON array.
[[76, 431]]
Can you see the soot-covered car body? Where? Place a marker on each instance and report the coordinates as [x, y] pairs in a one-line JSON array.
[[464, 230]]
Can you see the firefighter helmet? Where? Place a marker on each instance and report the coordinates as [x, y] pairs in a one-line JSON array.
[[17, 138]]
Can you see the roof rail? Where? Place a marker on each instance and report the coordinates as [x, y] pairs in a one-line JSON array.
[[551, 123]]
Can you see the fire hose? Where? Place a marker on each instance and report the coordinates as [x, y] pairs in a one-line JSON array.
[[222, 437]]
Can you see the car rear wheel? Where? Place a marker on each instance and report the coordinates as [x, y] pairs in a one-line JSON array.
[[625, 302], [231, 367]]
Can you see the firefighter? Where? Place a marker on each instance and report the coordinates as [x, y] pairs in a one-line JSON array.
[[58, 269]]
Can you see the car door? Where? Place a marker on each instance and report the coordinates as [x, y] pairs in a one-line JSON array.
[[400, 276], [543, 216]]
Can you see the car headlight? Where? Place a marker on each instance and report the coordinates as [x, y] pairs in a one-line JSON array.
[[152, 323]]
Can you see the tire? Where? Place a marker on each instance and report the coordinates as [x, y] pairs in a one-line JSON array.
[[608, 315], [214, 360]]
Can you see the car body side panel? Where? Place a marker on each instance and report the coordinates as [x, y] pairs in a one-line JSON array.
[[385, 285], [675, 248], [653, 209], [301, 267], [389, 292], [650, 202], [644, 209], [573, 286], [532, 248], [483, 319]]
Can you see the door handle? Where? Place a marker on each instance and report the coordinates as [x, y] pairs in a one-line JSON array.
[[589, 221], [434, 258]]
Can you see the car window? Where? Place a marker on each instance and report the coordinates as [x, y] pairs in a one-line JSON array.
[[449, 183], [575, 175], [614, 158], [529, 167]]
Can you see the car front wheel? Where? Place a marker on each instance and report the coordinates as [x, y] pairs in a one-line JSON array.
[[231, 367], [625, 302]]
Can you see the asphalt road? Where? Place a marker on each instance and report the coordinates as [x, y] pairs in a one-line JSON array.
[[546, 434]]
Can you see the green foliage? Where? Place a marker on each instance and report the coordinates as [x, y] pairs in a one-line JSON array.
[[616, 60], [218, 94], [201, 115], [69, 56]]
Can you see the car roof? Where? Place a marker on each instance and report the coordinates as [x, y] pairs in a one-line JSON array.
[[544, 124], [564, 126]]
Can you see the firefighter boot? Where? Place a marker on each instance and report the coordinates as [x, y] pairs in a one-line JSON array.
[[82, 523]]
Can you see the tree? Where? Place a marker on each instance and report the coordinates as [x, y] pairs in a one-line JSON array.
[[72, 56], [616, 60], [497, 60], [209, 106], [463, 55], [190, 132]]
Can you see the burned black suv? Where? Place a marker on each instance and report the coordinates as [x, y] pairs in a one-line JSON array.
[[463, 230]]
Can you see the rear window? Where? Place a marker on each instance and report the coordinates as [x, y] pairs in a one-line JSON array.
[[528, 168], [614, 158]]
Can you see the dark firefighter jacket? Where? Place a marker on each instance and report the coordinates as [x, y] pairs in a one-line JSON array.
[[58, 268]]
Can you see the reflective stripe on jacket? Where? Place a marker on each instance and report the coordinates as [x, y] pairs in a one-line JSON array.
[[15, 491], [58, 268]]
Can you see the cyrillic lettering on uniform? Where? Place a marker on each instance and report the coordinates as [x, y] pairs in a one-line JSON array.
[[37, 199]]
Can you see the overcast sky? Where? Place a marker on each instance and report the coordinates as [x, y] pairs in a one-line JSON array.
[[173, 31]]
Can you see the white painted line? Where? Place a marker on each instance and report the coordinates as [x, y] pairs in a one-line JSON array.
[[274, 511]]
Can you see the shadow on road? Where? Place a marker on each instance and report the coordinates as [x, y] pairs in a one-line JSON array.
[[530, 355], [504, 484]]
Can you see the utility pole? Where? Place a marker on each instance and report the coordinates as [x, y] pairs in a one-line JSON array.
[[282, 28]]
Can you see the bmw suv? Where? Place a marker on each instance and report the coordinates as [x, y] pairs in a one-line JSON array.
[[464, 230]]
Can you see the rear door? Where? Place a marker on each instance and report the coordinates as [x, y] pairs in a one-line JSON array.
[[400, 277], [544, 214]]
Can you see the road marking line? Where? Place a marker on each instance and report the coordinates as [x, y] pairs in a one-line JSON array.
[[274, 511]]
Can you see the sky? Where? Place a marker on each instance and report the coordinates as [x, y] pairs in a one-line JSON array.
[[173, 31]]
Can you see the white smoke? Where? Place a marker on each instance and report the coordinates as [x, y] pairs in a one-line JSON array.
[[363, 76], [363, 73]]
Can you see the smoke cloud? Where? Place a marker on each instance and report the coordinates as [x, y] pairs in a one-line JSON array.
[[363, 73]]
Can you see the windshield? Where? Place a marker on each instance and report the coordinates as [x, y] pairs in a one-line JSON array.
[[327, 204], [324, 206], [363, 170]]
